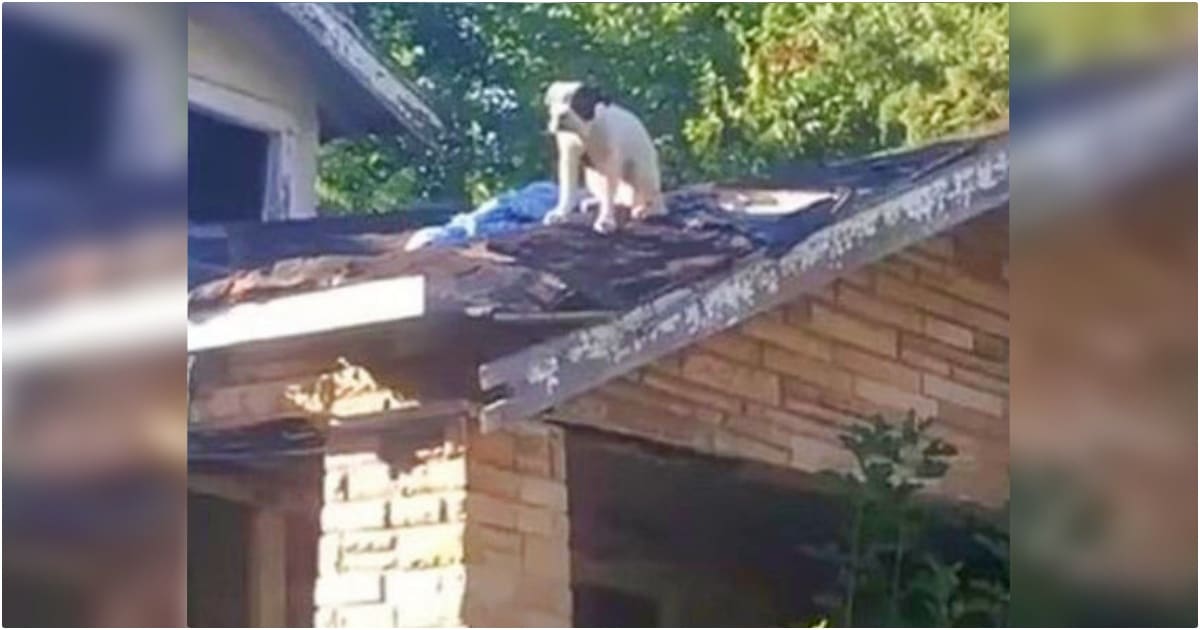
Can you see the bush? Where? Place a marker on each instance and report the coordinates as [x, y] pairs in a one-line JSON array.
[[891, 569]]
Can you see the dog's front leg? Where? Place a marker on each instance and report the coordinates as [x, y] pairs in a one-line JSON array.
[[570, 154], [606, 218]]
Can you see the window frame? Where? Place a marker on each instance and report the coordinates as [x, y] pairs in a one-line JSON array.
[[278, 203]]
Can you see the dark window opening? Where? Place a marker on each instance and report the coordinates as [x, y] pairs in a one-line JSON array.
[[217, 561], [600, 607], [60, 100], [227, 170]]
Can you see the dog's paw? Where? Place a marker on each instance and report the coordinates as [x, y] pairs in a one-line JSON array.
[[605, 225], [555, 217], [645, 211]]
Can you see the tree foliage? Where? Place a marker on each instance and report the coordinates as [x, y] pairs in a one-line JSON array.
[[726, 89]]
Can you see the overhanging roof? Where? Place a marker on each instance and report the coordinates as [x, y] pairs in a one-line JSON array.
[[356, 91]]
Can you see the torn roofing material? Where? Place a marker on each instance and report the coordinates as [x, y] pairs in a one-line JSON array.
[[565, 269]]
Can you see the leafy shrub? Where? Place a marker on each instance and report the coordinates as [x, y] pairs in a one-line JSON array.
[[890, 570]]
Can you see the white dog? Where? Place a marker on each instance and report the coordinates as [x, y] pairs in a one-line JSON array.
[[613, 149]]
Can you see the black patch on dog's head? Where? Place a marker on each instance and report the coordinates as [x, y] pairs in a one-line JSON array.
[[584, 101]]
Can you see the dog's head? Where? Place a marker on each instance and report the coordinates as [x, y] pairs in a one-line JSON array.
[[572, 106]]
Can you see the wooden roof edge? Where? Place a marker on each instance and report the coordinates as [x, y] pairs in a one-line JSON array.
[[342, 42], [296, 315], [530, 381]]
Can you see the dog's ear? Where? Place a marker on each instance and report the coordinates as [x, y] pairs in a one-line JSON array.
[[584, 101]]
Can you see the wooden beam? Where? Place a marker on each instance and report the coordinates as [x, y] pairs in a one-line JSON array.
[[360, 304], [239, 107], [267, 570], [541, 376]]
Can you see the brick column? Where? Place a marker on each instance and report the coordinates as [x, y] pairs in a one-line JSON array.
[[445, 527], [517, 552]]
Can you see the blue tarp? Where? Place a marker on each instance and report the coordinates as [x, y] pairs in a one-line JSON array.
[[524, 209], [509, 212]]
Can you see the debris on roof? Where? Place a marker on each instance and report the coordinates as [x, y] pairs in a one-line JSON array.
[[564, 269]]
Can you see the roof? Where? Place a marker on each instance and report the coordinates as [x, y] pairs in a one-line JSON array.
[[647, 290], [216, 251], [356, 91]]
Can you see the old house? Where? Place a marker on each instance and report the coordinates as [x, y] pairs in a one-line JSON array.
[[558, 428]]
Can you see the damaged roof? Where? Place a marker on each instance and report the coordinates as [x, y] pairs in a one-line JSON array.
[[722, 254], [551, 269]]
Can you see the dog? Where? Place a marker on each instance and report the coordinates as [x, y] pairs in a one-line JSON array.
[[612, 148]]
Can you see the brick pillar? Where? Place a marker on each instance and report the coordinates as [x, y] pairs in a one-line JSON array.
[[517, 552], [445, 527]]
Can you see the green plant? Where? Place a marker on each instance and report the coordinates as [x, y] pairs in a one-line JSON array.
[[888, 573]]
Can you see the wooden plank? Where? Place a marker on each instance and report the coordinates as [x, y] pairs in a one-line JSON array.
[[541, 376], [239, 107], [267, 570], [359, 304]]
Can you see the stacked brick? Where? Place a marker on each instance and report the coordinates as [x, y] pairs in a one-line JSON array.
[[462, 530], [517, 551], [925, 330]]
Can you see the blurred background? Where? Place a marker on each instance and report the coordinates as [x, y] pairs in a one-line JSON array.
[[1102, 106], [1103, 302], [94, 314]]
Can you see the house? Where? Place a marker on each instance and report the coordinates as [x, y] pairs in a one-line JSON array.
[[557, 428]]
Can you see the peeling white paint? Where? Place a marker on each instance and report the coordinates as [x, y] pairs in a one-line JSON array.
[[921, 205], [596, 343], [544, 373]]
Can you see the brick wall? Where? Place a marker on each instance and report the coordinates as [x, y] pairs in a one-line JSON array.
[[925, 329], [445, 528]]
